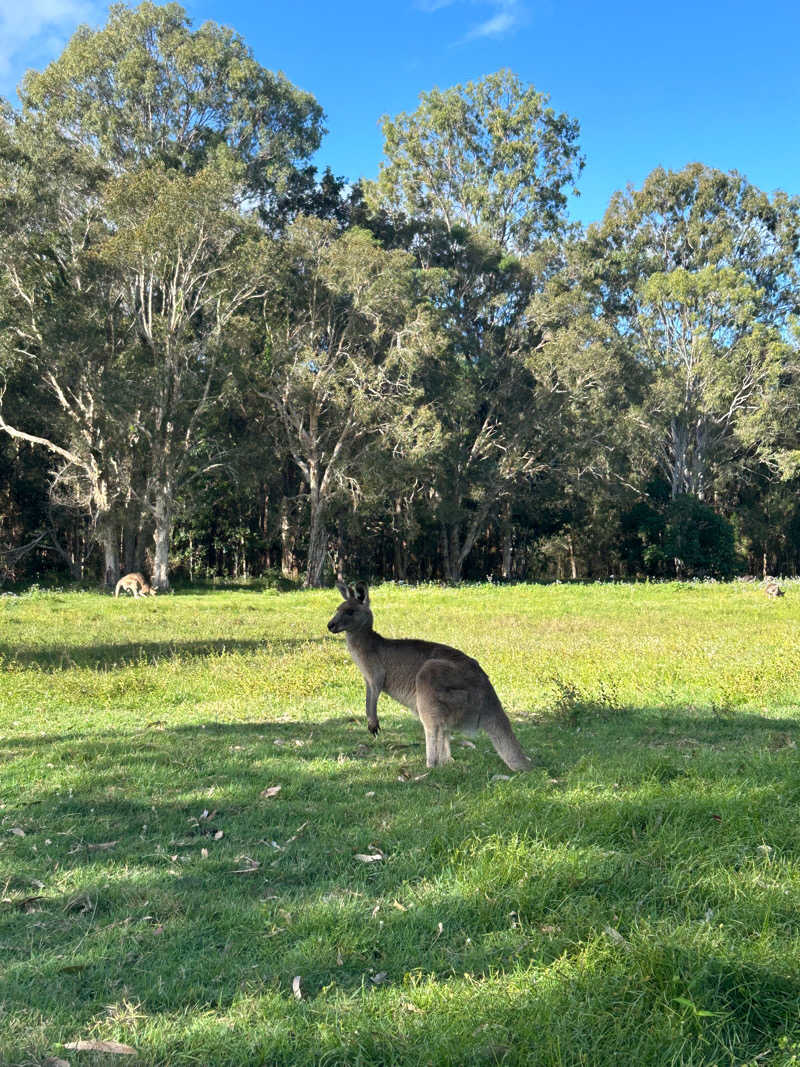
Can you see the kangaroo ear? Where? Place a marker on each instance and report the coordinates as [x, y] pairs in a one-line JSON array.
[[362, 593], [343, 590]]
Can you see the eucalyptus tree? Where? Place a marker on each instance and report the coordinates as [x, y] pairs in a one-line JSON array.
[[344, 329], [185, 262], [187, 135], [62, 331], [697, 272], [477, 177]]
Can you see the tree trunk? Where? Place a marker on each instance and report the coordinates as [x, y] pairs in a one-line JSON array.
[[163, 517], [108, 535], [288, 563], [571, 547], [317, 546]]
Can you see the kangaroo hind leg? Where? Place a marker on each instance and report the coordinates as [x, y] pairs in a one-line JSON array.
[[433, 716]]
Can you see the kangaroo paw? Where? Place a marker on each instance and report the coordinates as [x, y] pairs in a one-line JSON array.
[[373, 727]]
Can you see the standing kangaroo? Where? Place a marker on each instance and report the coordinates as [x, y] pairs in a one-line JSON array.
[[445, 687], [134, 583]]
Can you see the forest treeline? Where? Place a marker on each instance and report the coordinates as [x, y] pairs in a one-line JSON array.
[[216, 361]]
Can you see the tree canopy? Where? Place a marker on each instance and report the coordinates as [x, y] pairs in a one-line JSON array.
[[214, 360]]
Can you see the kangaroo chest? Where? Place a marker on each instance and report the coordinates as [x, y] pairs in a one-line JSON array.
[[397, 678]]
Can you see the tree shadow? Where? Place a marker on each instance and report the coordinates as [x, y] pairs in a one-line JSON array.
[[56, 658], [482, 877]]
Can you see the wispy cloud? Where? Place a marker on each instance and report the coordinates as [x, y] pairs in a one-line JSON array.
[[497, 26], [508, 15], [32, 32]]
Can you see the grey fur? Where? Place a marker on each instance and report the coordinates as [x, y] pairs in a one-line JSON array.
[[447, 689]]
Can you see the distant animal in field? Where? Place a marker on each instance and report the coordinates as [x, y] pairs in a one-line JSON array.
[[136, 584], [772, 588], [445, 687]]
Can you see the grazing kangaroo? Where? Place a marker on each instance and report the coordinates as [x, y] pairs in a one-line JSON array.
[[445, 687], [134, 583]]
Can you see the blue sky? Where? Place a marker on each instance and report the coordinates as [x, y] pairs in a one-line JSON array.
[[711, 80]]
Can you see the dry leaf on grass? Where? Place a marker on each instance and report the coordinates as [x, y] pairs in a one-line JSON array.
[[373, 857], [104, 846], [81, 902], [298, 992], [615, 936], [219, 835], [17, 831], [249, 866], [379, 978], [101, 1046], [271, 791], [500, 778]]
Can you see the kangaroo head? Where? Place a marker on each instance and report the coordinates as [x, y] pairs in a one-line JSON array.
[[354, 613]]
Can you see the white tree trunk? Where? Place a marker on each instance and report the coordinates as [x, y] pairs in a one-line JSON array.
[[108, 535]]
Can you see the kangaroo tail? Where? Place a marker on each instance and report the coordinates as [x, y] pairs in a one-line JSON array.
[[505, 743]]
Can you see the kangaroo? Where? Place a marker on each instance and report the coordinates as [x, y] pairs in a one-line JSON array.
[[445, 687], [134, 583], [772, 588]]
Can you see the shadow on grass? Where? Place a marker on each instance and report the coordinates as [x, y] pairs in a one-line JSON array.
[[131, 653], [483, 885]]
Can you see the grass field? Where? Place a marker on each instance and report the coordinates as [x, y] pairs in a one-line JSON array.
[[634, 899]]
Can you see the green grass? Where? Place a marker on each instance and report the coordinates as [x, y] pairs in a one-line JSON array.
[[634, 899]]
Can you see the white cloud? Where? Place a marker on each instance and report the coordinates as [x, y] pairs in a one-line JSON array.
[[32, 32], [508, 15], [497, 26]]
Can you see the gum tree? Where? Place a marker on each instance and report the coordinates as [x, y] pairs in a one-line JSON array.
[[696, 272], [476, 179], [184, 127]]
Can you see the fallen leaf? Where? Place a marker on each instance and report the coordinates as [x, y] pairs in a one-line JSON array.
[[250, 866], [17, 831], [81, 902], [467, 744], [399, 906], [371, 793], [219, 834], [101, 1046], [615, 936], [271, 791], [369, 858], [419, 777], [26, 904], [298, 992], [500, 778], [379, 978], [101, 847], [375, 911], [204, 853]]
